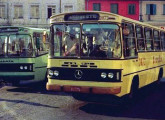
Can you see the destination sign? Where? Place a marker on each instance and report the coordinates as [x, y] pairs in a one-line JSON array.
[[81, 17], [3, 30]]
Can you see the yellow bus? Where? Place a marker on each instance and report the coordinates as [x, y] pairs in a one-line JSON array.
[[103, 53], [23, 54]]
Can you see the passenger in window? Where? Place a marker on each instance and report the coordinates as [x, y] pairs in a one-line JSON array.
[[128, 40], [156, 45], [140, 45], [57, 39], [125, 39], [126, 31], [70, 42], [101, 37], [117, 46], [99, 42]]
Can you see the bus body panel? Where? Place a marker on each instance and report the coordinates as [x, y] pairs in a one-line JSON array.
[[144, 66], [40, 67], [23, 53]]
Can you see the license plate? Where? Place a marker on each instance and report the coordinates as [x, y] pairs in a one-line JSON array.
[[75, 89]]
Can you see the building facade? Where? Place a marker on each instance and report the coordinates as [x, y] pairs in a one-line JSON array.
[[35, 13], [127, 8], [153, 12]]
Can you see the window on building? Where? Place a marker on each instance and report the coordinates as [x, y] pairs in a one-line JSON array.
[[131, 9], [2, 11], [114, 8], [34, 11], [18, 11], [68, 8], [163, 9], [51, 10], [96, 7], [151, 9]]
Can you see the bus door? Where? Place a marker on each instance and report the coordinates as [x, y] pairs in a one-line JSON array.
[[41, 50], [129, 49]]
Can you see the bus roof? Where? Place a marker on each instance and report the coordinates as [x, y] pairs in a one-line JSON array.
[[9, 29], [22, 27], [104, 16]]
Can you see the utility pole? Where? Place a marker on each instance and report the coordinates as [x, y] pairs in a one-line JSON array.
[[87, 5], [60, 6], [141, 16]]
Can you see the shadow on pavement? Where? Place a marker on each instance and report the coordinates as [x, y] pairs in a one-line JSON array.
[[150, 104], [35, 87], [26, 102]]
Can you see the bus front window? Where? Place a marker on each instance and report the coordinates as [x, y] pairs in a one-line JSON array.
[[101, 41], [20, 45], [3, 45], [66, 40], [96, 41]]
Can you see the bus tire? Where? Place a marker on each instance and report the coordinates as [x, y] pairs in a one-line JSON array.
[[16, 83], [80, 96], [160, 75], [134, 88], [44, 82]]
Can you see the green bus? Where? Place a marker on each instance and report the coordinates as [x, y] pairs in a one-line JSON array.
[[23, 54]]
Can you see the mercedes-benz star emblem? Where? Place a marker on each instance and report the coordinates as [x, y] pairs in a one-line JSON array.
[[78, 74]]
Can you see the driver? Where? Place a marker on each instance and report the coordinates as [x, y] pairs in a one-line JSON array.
[[71, 42]]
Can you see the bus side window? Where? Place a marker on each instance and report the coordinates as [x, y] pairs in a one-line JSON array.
[[40, 46], [129, 40], [140, 38], [149, 40], [162, 40], [156, 40]]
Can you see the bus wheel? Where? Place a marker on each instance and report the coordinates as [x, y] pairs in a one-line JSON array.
[[133, 90], [159, 76], [80, 96], [45, 82], [16, 83]]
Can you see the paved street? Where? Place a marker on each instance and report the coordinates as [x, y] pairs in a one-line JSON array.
[[29, 102]]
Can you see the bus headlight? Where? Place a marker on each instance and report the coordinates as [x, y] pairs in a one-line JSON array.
[[21, 67], [56, 73], [110, 75], [25, 67], [103, 75], [51, 72]]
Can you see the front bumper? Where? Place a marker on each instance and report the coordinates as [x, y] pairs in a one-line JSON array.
[[113, 89], [11, 76]]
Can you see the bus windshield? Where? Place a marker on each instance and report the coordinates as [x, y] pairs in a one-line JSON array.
[[3, 38], [16, 45], [91, 40]]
